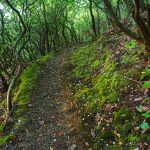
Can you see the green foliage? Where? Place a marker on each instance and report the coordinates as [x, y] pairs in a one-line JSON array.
[[5, 139], [82, 59], [27, 83], [146, 85], [146, 73], [1, 128], [118, 147], [147, 114], [107, 81], [131, 57], [131, 45], [133, 138], [107, 134], [22, 95], [45, 58], [108, 85], [96, 63], [144, 125], [122, 115]]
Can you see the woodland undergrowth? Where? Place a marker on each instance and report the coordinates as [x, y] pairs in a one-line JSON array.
[[107, 82]]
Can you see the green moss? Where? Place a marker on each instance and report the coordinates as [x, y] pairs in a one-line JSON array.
[[117, 147], [21, 124], [109, 76], [81, 93], [1, 127], [122, 115], [24, 90], [133, 138], [110, 83], [22, 95], [95, 64], [27, 84], [146, 74], [124, 121], [45, 58], [107, 135], [83, 58], [5, 139]]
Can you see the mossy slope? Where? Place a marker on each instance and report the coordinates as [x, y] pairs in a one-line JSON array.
[[104, 89], [22, 96]]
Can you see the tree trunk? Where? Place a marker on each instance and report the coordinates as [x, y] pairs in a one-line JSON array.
[[92, 17], [4, 83], [46, 28]]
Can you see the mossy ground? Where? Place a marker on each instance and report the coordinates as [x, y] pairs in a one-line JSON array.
[[22, 96], [103, 88]]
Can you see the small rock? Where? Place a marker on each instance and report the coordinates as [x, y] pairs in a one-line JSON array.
[[138, 99], [11, 119], [42, 123], [10, 147], [137, 148], [93, 133], [87, 144], [51, 148], [45, 95], [54, 140], [73, 147], [30, 105], [114, 143], [71, 130]]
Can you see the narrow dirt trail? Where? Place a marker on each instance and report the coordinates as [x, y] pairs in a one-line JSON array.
[[54, 123]]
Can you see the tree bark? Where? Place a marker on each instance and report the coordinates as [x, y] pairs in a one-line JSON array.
[[19, 62], [92, 17], [4, 83], [46, 28], [3, 27]]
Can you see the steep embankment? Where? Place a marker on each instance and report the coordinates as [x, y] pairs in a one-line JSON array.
[[107, 82], [22, 96]]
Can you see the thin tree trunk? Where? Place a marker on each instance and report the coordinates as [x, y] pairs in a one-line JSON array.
[[46, 28], [92, 17], [4, 83]]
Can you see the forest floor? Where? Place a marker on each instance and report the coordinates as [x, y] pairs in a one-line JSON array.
[[54, 123]]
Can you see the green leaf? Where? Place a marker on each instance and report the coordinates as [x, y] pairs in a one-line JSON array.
[[139, 108], [146, 85], [147, 114], [144, 125]]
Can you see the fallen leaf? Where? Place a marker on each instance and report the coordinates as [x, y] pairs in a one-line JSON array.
[[116, 133], [138, 99], [87, 144], [144, 125], [60, 133], [141, 108], [93, 133], [51, 148]]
